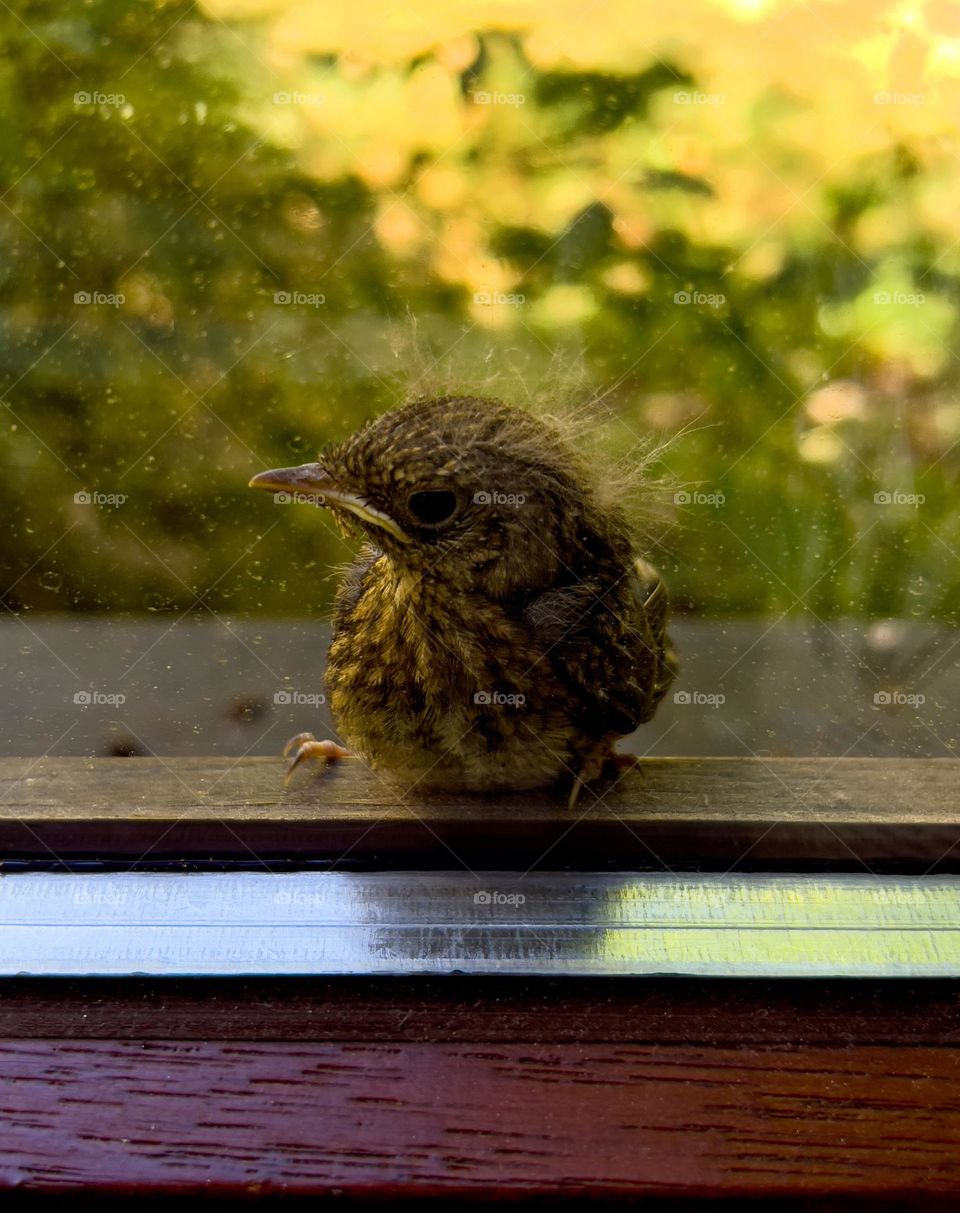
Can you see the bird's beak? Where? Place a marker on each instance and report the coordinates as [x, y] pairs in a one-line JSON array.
[[312, 483]]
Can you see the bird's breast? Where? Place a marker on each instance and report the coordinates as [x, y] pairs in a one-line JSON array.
[[422, 684]]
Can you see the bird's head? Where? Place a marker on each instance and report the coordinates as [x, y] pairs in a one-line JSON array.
[[470, 491]]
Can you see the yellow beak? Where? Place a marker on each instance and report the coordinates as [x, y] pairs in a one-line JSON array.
[[311, 483]]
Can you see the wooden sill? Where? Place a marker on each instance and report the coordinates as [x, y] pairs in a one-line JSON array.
[[851, 814]]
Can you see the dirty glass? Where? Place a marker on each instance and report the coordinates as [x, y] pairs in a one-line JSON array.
[[234, 230]]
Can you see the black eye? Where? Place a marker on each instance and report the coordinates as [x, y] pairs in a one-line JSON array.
[[433, 507]]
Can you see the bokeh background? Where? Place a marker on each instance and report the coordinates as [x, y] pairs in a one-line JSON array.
[[736, 220]]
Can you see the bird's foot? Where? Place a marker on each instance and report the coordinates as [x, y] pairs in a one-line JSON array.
[[590, 770], [593, 768], [578, 784], [305, 748]]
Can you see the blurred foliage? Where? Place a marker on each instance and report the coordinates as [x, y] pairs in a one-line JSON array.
[[739, 219]]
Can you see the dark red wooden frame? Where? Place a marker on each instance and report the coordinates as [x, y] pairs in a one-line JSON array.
[[825, 1093]]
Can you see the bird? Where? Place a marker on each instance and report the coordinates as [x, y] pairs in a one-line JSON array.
[[497, 630]]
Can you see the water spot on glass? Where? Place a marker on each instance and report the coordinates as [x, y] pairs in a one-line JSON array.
[[51, 580], [255, 570], [157, 602]]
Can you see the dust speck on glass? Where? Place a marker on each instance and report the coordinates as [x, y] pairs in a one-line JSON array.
[[234, 233]]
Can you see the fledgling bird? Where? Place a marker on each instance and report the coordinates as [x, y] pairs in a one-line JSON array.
[[497, 630]]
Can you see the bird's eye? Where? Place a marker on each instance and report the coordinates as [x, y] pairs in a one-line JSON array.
[[433, 507]]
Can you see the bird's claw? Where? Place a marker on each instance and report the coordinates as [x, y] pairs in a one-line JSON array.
[[593, 768], [305, 748], [578, 784]]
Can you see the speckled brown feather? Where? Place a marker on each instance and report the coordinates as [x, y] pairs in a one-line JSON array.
[[511, 647]]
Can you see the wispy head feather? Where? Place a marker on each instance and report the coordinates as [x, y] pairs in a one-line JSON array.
[[625, 468]]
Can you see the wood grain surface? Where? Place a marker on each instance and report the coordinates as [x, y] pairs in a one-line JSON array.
[[505, 1120], [896, 814]]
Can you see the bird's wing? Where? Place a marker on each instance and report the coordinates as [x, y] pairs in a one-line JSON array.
[[650, 594], [610, 644]]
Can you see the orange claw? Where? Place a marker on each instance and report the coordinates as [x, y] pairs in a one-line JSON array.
[[305, 748]]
